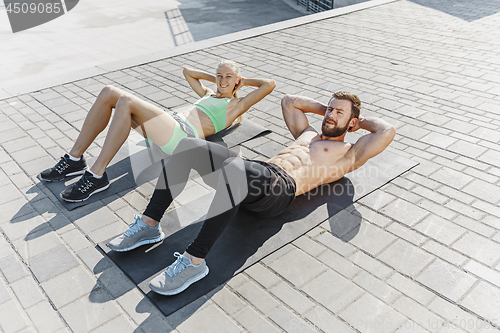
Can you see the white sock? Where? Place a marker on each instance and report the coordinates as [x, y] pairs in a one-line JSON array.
[[94, 175], [74, 158]]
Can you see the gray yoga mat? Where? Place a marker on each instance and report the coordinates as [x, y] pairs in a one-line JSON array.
[[248, 239], [135, 164]]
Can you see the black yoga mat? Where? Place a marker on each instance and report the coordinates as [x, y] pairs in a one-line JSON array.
[[248, 239], [135, 164]]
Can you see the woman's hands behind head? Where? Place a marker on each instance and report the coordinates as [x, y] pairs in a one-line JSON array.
[[241, 83]]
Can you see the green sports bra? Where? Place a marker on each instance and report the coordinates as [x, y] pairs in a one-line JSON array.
[[215, 109]]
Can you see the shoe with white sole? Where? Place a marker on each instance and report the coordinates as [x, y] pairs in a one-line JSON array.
[[139, 233], [85, 187], [66, 167], [178, 276]]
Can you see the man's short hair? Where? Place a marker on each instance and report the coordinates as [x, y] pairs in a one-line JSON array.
[[355, 101]]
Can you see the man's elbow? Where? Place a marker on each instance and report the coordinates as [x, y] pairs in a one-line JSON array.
[[287, 102], [386, 136]]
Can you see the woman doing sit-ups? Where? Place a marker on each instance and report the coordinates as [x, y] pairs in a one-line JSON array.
[[209, 115]]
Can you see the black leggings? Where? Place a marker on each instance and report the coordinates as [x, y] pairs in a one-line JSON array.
[[235, 180]]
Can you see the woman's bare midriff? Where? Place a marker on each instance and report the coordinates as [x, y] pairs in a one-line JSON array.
[[200, 121]]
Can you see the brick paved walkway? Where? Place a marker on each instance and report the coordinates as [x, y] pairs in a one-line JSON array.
[[428, 248]]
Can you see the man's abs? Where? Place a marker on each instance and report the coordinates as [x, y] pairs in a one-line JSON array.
[[314, 164]]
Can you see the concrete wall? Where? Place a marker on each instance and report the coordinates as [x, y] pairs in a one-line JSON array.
[[336, 4], [343, 3]]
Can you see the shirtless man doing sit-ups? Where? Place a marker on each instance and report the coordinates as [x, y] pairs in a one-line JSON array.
[[263, 188]]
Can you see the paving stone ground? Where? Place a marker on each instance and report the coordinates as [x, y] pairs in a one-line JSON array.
[[426, 257]]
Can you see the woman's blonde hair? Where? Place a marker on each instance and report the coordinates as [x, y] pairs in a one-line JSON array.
[[236, 69]]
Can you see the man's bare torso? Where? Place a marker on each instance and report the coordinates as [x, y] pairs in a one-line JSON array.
[[311, 161]]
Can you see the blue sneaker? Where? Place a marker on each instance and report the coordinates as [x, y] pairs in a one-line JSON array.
[[178, 276], [138, 234]]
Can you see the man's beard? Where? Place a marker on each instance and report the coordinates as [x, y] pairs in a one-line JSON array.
[[333, 131]]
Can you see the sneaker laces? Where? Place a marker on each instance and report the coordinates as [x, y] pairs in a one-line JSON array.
[[178, 266], [83, 184], [61, 165], [135, 227]]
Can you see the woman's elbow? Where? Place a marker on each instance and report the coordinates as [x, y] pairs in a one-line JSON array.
[[392, 130], [272, 84]]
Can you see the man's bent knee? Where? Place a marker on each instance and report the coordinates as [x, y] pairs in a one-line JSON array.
[[230, 161], [234, 169], [234, 174]]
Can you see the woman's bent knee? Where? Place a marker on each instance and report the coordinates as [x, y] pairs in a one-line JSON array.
[[123, 103], [110, 92]]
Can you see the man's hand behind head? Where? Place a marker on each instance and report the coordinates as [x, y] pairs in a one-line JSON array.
[[356, 126], [380, 136]]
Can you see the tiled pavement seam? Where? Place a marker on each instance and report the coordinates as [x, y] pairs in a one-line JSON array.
[[448, 224]]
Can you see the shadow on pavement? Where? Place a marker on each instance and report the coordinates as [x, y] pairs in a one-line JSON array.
[[212, 18], [40, 205], [468, 10], [178, 27]]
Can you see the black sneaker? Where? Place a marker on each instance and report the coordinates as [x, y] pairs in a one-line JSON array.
[[85, 187], [64, 168]]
